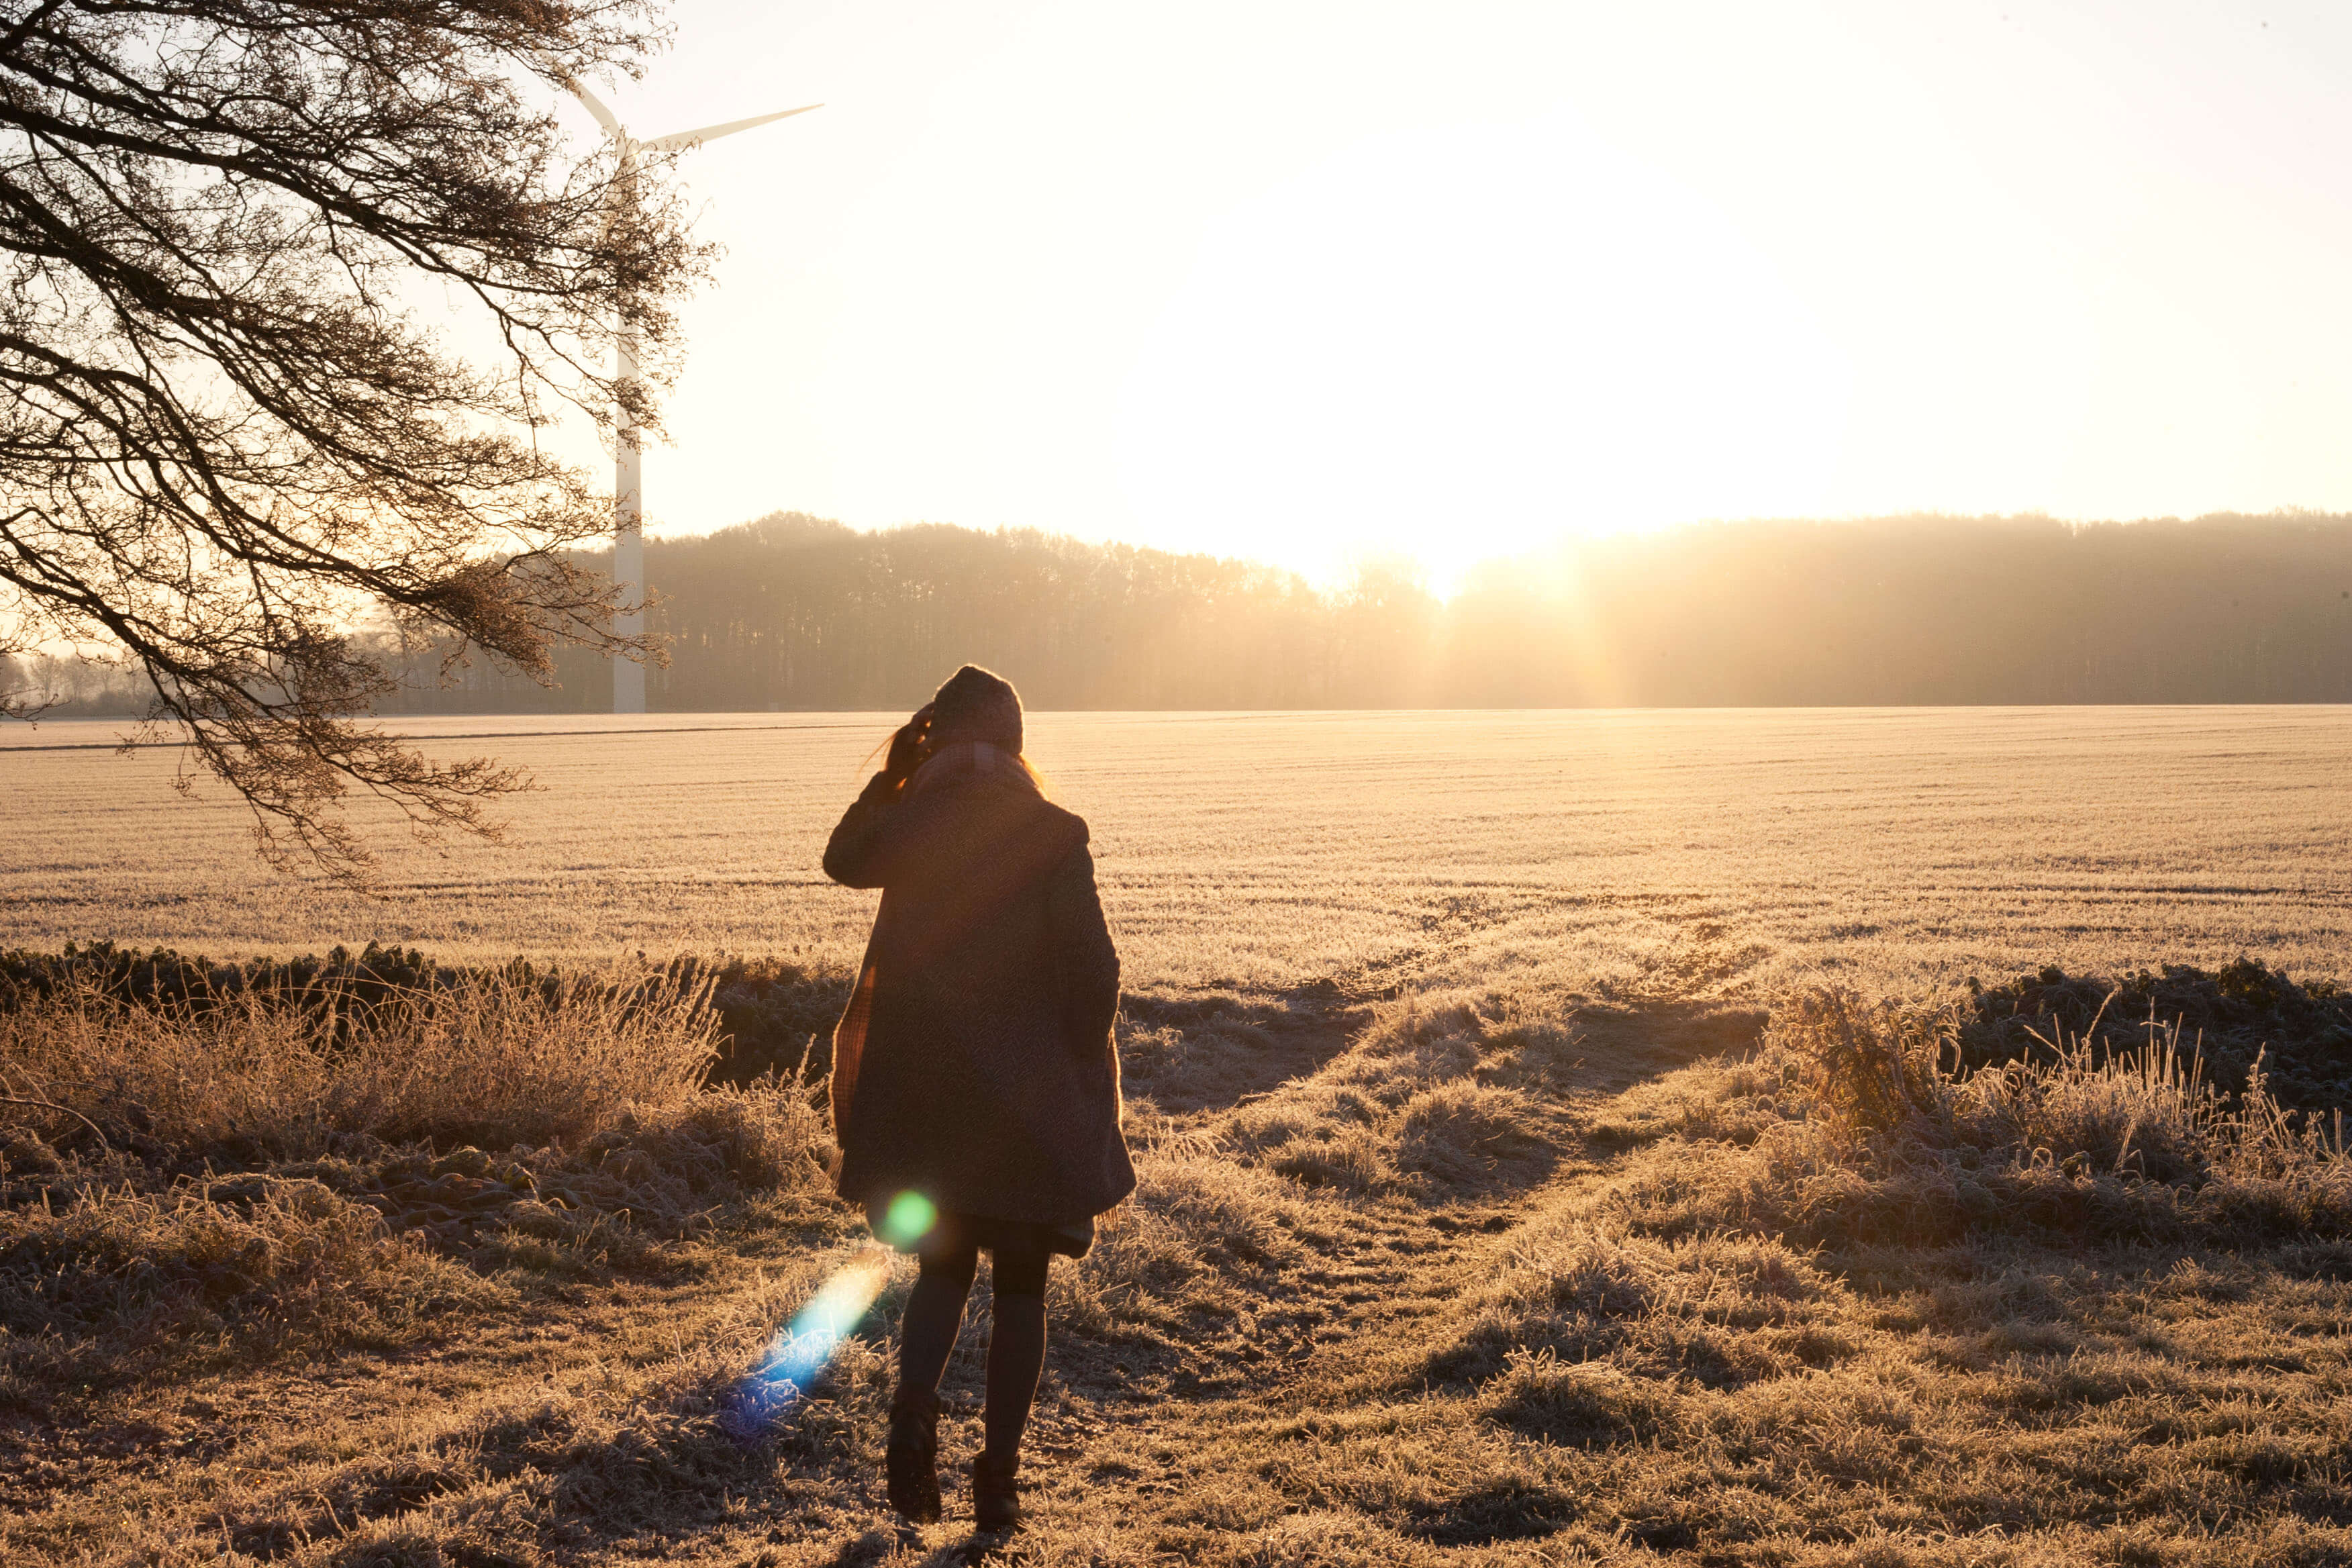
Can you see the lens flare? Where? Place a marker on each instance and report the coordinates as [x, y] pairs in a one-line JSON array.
[[803, 1347], [908, 1220]]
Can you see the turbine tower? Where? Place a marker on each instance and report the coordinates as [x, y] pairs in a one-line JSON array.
[[629, 497]]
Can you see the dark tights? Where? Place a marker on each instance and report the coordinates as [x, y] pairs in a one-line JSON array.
[[1016, 1344]]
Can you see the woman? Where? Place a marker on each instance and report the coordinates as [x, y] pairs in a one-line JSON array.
[[975, 1083]]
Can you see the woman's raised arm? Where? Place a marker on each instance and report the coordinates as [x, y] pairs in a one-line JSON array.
[[851, 855]]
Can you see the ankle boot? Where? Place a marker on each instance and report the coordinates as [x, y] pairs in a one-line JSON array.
[[995, 1503], [911, 1462]]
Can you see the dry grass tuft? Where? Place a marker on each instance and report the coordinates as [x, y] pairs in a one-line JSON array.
[[362, 1205], [1461, 1135], [1584, 1291], [1428, 1098], [1859, 1126], [1586, 1404], [491, 1059], [1876, 1069], [1197, 1231], [91, 1288]]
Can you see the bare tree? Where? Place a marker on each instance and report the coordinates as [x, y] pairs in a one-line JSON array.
[[229, 445]]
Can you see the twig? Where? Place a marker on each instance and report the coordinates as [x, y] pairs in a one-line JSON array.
[[62, 1110]]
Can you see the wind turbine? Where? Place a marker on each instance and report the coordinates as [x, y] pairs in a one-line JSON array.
[[628, 499]]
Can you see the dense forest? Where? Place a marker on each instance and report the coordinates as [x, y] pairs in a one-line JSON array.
[[794, 612]]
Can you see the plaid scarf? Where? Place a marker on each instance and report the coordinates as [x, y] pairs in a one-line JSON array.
[[966, 760]]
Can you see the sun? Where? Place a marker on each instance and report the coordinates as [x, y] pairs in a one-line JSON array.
[[1465, 343]]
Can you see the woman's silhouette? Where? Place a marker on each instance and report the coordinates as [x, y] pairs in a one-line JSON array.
[[975, 1083]]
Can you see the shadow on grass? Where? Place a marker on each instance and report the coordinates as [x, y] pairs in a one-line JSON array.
[[1190, 1054]]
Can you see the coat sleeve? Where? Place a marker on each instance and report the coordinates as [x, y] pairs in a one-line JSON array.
[[1088, 962], [852, 856]]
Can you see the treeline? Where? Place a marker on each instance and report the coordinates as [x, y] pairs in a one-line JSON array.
[[793, 612]]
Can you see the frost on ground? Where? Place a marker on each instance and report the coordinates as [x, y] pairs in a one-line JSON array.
[[1261, 852], [1532, 1272]]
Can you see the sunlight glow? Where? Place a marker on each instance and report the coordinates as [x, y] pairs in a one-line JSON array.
[[1314, 281], [1461, 344]]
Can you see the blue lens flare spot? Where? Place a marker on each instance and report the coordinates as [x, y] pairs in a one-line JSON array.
[[798, 1354], [801, 1347], [910, 1219]]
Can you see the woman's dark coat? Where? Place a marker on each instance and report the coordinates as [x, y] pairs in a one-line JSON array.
[[975, 1063]]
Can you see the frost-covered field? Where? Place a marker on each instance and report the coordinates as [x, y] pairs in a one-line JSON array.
[[1566, 1224], [1908, 847]]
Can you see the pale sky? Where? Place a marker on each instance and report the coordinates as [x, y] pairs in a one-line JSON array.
[[1308, 282]]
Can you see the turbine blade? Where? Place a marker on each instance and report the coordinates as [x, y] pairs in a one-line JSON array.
[[712, 132], [594, 106]]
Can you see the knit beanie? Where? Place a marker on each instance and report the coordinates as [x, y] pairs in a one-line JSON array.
[[974, 705]]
